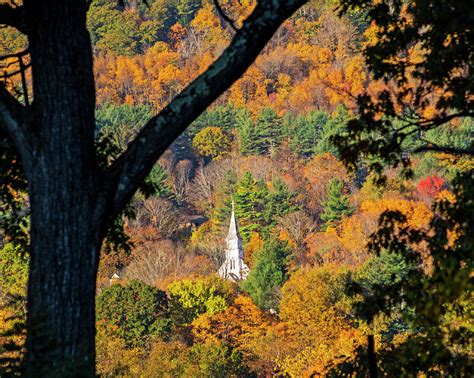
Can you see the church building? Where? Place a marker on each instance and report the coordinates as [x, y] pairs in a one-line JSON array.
[[234, 268]]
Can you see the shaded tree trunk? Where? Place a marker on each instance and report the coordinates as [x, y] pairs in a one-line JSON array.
[[63, 184]]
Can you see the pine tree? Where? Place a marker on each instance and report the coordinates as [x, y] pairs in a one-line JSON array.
[[247, 134], [268, 274], [333, 126], [157, 183], [336, 205], [224, 193], [306, 130], [249, 198], [279, 202], [268, 131]]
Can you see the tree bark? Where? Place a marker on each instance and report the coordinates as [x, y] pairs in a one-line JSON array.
[[63, 184]]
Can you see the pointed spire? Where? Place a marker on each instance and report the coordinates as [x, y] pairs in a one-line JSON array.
[[233, 228]]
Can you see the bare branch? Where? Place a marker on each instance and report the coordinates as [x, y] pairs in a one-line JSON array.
[[15, 55], [12, 121], [132, 167], [224, 16], [13, 16], [17, 72], [444, 149]]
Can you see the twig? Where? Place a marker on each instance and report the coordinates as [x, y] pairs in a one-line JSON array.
[[448, 150], [224, 16]]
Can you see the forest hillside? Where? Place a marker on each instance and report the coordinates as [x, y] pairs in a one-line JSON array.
[[325, 291]]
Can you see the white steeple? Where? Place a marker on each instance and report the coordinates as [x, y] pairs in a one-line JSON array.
[[234, 268]]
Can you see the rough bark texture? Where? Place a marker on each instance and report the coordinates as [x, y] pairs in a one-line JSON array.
[[63, 190], [72, 199]]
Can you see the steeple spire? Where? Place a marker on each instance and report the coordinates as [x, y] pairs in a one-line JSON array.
[[234, 267], [233, 228]]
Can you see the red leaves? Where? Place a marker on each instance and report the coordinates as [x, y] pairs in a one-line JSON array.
[[431, 185]]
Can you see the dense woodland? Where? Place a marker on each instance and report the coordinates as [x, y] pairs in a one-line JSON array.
[[327, 293]]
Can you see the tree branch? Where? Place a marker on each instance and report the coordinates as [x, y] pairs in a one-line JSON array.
[[136, 162], [13, 16], [12, 122], [224, 16], [444, 149]]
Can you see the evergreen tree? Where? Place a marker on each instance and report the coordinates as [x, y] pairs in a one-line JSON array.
[[334, 126], [185, 10], [336, 205], [247, 134], [223, 116], [249, 198], [268, 274], [120, 123], [157, 183], [224, 193], [279, 202], [268, 131], [306, 132], [220, 116]]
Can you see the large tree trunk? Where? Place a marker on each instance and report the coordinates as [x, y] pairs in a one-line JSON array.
[[63, 185]]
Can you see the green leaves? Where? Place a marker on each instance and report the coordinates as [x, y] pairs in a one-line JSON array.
[[336, 206], [268, 273], [304, 132], [134, 312], [14, 264], [261, 137], [193, 297]]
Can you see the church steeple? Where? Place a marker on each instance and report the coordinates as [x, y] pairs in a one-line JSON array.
[[233, 228], [234, 267]]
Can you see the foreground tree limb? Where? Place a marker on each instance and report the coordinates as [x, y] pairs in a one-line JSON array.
[[133, 166], [13, 16], [12, 122]]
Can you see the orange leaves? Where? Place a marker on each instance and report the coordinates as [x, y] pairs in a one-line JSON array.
[[177, 34], [309, 65], [206, 19], [243, 324], [317, 172], [313, 307], [417, 213], [255, 243], [346, 83]]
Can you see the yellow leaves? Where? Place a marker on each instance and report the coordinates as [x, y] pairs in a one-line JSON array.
[[283, 85], [418, 214], [354, 237], [208, 24], [8, 323], [284, 236], [446, 195], [243, 324], [113, 356], [315, 360], [211, 142], [206, 19], [313, 308], [371, 34], [255, 243], [346, 83]]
